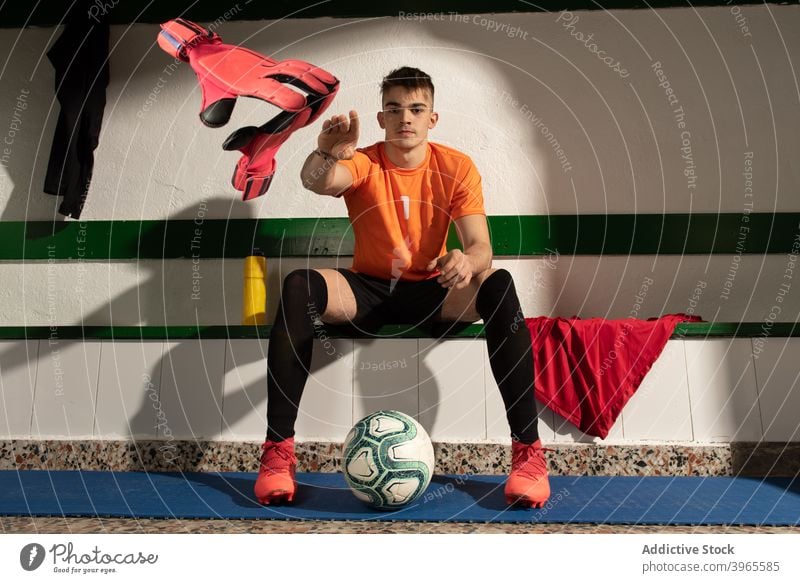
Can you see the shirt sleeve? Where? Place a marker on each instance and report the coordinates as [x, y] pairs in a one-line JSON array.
[[468, 192], [359, 167]]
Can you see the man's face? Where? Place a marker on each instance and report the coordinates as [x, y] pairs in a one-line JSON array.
[[407, 116]]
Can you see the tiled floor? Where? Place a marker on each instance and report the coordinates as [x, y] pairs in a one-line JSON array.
[[119, 525]]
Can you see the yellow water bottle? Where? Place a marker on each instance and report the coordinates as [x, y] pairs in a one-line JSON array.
[[254, 305]]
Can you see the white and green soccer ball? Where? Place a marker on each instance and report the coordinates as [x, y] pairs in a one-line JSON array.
[[388, 459]]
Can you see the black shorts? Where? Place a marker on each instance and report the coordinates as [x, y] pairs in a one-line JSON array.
[[380, 301]]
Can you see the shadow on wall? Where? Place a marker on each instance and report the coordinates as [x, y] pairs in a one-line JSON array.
[[190, 396]]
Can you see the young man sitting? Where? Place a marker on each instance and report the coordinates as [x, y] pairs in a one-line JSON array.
[[401, 196]]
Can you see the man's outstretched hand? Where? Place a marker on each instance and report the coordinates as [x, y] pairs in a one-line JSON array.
[[339, 136], [455, 267]]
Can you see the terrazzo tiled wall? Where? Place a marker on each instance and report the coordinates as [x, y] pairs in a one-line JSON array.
[[713, 391]]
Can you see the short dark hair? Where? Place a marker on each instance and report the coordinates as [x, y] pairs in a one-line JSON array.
[[407, 77]]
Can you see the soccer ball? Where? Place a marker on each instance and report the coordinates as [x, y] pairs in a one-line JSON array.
[[388, 459]]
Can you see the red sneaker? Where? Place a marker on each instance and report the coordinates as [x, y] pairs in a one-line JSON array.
[[528, 484], [276, 482]]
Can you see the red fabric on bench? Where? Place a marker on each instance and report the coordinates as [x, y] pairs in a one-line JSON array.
[[586, 370]]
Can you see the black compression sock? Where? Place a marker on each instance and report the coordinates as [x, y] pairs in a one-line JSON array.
[[304, 298], [510, 354]]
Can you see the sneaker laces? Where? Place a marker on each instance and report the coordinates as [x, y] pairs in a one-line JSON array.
[[530, 461], [278, 455]]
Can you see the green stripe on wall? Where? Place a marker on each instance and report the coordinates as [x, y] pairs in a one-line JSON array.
[[50, 12], [624, 234], [737, 330], [684, 330]]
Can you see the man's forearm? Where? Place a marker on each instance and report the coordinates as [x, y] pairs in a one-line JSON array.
[[317, 172], [480, 257]]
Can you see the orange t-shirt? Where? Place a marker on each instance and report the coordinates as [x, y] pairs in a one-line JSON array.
[[401, 216]]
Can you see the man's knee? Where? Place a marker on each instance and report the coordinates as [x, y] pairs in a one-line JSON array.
[[497, 295], [306, 288]]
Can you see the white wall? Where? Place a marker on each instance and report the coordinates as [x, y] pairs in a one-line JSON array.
[[619, 135], [157, 293], [698, 391]]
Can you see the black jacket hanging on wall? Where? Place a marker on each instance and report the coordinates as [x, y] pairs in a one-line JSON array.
[[80, 58]]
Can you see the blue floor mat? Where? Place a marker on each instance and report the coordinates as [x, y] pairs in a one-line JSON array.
[[575, 499]]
